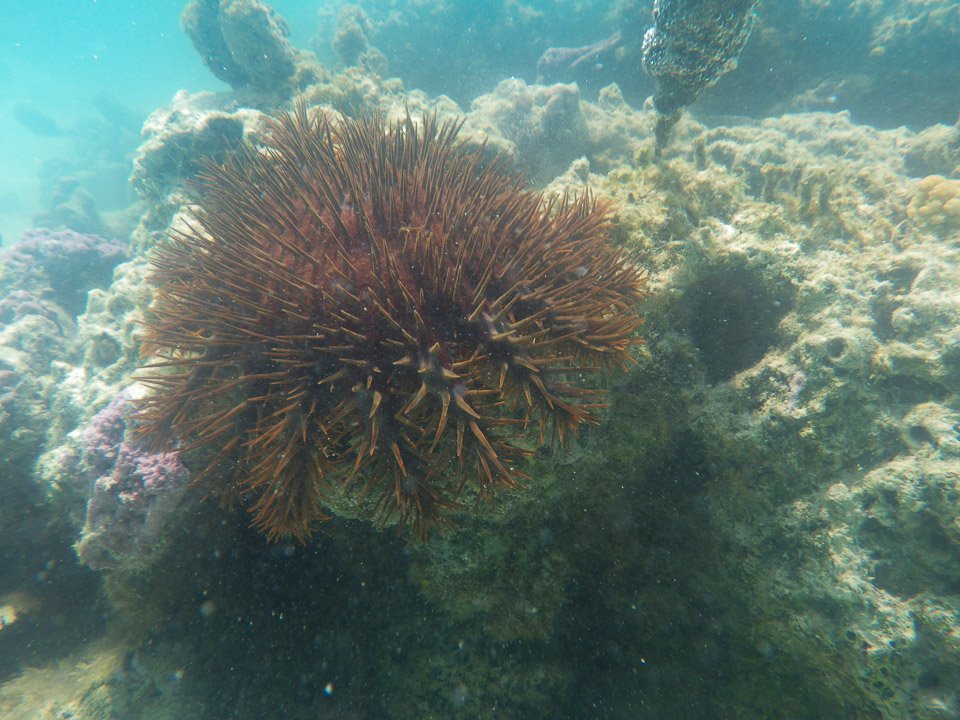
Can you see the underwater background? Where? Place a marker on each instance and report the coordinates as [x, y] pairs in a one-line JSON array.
[[743, 320]]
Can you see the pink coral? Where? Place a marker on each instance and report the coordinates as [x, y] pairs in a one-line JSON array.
[[134, 491]]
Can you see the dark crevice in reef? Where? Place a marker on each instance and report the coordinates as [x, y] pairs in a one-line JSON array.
[[640, 635], [733, 315], [906, 569], [628, 658], [897, 283], [906, 390]]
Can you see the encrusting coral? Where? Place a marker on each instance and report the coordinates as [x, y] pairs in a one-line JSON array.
[[364, 299], [134, 492]]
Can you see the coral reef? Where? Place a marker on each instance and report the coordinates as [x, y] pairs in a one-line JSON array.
[[36, 340], [178, 136], [72, 207], [890, 64], [44, 282], [934, 151], [523, 122], [763, 524], [352, 43], [828, 439], [923, 31], [84, 186], [33, 335], [405, 316], [453, 49], [206, 125]]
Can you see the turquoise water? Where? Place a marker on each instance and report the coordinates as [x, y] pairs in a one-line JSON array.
[[57, 56]]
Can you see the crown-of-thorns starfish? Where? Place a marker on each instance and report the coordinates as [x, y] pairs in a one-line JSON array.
[[360, 299]]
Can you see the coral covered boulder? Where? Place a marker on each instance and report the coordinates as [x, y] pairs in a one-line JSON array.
[[134, 491], [61, 266], [243, 42]]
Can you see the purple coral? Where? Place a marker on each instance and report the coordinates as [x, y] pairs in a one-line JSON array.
[[67, 262], [19, 304], [105, 434], [134, 491]]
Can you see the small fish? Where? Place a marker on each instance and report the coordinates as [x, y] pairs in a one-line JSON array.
[[37, 121], [562, 62], [116, 113]]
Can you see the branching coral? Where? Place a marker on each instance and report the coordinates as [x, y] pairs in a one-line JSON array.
[[371, 300]]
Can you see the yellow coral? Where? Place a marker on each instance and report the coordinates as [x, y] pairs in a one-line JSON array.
[[937, 202]]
